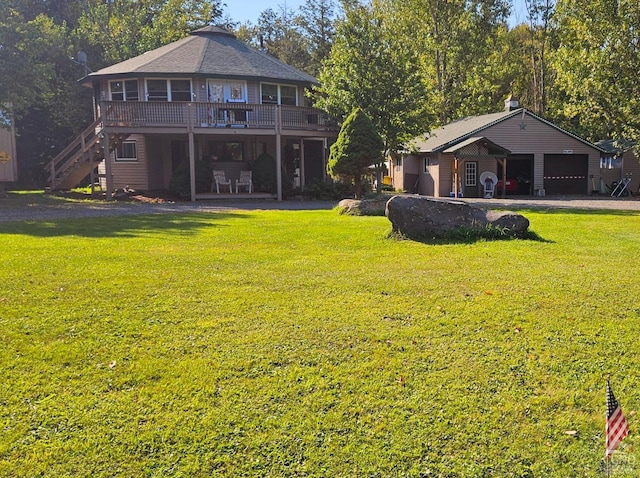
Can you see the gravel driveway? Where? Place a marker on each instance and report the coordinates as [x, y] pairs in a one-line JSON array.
[[64, 210]]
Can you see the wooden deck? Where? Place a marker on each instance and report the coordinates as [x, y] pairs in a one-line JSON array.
[[191, 115]]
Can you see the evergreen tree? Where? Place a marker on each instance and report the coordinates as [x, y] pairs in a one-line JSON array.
[[357, 148]]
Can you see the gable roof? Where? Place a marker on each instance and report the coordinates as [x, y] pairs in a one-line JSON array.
[[211, 52], [453, 133], [615, 146]]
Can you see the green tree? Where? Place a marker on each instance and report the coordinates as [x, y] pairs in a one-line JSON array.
[[38, 78], [370, 67], [316, 22], [357, 148], [454, 39], [597, 63], [279, 35]]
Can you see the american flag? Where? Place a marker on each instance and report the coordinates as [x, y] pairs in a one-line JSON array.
[[616, 428]]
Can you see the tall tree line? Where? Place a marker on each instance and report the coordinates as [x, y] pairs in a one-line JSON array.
[[411, 65]]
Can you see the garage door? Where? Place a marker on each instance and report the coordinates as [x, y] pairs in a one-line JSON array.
[[566, 173]]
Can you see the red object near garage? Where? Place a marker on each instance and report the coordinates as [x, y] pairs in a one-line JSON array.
[[512, 186]]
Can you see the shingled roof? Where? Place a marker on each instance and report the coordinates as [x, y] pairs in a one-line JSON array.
[[462, 129], [210, 51]]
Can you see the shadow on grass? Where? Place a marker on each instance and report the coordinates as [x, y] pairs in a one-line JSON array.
[[469, 236], [568, 210], [129, 226]]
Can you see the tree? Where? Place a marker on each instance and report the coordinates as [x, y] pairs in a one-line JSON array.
[[597, 63], [49, 105], [316, 21], [278, 34], [357, 148], [454, 40], [371, 68], [540, 13]]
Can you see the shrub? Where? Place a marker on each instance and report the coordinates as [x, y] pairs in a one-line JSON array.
[[327, 190], [264, 176], [180, 183]]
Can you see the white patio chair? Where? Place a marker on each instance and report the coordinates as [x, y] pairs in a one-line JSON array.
[[219, 179], [245, 180]]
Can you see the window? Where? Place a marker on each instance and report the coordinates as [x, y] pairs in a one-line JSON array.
[[124, 90], [610, 162], [157, 90], [427, 164], [169, 90], [398, 163], [269, 94], [180, 90], [288, 95], [470, 173], [226, 151], [279, 94], [127, 151]]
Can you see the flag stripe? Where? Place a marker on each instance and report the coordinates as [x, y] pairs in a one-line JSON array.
[[616, 427]]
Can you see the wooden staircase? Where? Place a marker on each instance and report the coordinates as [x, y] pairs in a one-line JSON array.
[[81, 158]]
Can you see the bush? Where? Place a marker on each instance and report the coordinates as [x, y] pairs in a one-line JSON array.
[[328, 190], [180, 183], [264, 176]]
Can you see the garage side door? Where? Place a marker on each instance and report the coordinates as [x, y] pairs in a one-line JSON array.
[[566, 173]]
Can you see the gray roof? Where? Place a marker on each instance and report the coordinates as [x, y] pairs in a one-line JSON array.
[[462, 129], [211, 52], [615, 146]]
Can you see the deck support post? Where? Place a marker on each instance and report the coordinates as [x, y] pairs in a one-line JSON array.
[[192, 153], [107, 165], [302, 159], [279, 152]]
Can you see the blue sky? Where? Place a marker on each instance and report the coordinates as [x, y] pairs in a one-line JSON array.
[[243, 10]]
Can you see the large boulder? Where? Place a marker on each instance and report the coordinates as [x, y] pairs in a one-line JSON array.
[[363, 207], [420, 217]]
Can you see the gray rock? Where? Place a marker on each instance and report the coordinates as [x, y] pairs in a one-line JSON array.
[[420, 217], [363, 207]]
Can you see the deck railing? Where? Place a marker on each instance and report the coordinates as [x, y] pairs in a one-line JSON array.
[[213, 115]]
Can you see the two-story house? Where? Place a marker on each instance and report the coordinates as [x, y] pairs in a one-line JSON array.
[[207, 97]]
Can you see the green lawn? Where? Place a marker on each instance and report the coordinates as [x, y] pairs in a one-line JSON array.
[[305, 343]]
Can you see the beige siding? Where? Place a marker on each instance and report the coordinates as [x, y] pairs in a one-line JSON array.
[[520, 135], [632, 166], [155, 150], [411, 164], [131, 173], [538, 138]]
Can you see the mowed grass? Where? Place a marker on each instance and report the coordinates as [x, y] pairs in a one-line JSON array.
[[305, 343]]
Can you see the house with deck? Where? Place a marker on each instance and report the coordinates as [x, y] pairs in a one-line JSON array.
[[513, 152], [207, 99]]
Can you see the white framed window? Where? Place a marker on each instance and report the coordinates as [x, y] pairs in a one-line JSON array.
[[180, 90], [398, 163], [470, 173], [610, 162], [127, 151], [275, 94], [124, 90], [169, 90]]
